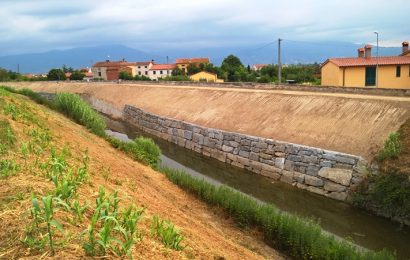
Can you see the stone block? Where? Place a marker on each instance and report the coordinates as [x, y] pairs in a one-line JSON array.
[[219, 155], [331, 186], [294, 158], [261, 145], [280, 163], [315, 190], [198, 138], [341, 176], [188, 135], [265, 156], [337, 195], [288, 165], [234, 144], [299, 177], [312, 170], [279, 148], [243, 161], [254, 156], [273, 175], [301, 186], [280, 154], [232, 157], [326, 163], [236, 164], [287, 177], [256, 165], [227, 149], [255, 149], [345, 159], [313, 181], [244, 154]]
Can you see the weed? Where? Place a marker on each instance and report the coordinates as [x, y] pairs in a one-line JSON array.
[[7, 137], [392, 147], [141, 149], [301, 238], [165, 229], [74, 107]]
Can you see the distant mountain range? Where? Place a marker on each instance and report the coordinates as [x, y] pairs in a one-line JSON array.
[[292, 52]]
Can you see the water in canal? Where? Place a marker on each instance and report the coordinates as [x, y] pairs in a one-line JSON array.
[[336, 217]]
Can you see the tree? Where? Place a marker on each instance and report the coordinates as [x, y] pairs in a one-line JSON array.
[[193, 69], [77, 75], [56, 74], [177, 72], [233, 66], [125, 75]]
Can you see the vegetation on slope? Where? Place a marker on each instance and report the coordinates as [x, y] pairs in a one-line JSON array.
[[43, 206], [108, 233], [388, 192]]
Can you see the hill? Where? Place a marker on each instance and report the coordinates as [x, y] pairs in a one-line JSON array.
[[292, 52]]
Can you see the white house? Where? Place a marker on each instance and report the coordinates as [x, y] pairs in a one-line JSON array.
[[142, 68], [160, 71]]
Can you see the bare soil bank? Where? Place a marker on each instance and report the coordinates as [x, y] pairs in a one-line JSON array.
[[350, 123]]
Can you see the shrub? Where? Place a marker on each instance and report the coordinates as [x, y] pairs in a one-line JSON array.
[[388, 193], [140, 149], [169, 234], [392, 147], [74, 107], [301, 238]]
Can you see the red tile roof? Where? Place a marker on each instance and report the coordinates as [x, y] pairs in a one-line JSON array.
[[259, 66], [163, 66], [143, 63], [192, 60], [373, 61], [113, 64]]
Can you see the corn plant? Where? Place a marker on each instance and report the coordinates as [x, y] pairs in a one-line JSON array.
[[45, 213], [166, 231], [7, 137], [65, 186], [78, 210], [8, 168]]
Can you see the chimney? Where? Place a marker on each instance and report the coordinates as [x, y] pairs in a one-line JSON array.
[[107, 60], [123, 59], [405, 47], [360, 52], [368, 51]]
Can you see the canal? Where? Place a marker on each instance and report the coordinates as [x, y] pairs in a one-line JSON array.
[[339, 218]]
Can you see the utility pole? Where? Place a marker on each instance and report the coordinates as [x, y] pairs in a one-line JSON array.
[[377, 59], [18, 68], [167, 59], [279, 63]]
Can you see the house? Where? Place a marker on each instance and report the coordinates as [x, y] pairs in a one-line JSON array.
[[158, 71], [361, 71], [258, 67], [142, 67], [183, 63], [205, 76], [88, 73], [110, 70]]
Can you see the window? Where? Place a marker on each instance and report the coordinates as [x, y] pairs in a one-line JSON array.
[[155, 72], [139, 67], [146, 72], [139, 72], [160, 72], [146, 67], [398, 71], [99, 74]]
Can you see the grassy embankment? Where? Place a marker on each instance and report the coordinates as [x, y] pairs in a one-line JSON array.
[[42, 209], [388, 192], [298, 237]]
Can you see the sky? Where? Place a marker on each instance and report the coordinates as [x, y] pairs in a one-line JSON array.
[[40, 25]]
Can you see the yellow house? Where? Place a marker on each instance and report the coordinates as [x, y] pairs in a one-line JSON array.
[[206, 77], [361, 71], [183, 63]]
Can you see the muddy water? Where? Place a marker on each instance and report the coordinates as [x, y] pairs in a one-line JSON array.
[[336, 217]]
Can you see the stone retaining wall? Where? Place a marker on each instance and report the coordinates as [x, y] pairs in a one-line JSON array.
[[327, 173]]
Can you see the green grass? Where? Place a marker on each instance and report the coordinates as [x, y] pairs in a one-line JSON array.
[[74, 107], [140, 149], [299, 237], [7, 137], [392, 147]]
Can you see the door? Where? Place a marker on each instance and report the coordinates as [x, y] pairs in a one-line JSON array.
[[370, 76]]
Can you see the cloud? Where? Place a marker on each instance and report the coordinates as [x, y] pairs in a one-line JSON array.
[[146, 24]]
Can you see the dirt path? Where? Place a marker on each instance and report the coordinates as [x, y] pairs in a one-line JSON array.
[[350, 123]]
